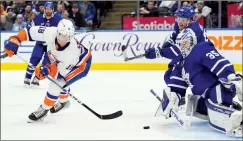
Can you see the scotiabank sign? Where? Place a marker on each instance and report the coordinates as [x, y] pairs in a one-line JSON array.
[[151, 23], [148, 23]]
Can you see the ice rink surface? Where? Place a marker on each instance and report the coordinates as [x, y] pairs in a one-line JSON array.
[[105, 92]]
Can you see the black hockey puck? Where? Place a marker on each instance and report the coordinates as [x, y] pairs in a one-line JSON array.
[[146, 127]]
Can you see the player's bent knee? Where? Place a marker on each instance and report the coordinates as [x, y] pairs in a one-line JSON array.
[[222, 118], [54, 89]]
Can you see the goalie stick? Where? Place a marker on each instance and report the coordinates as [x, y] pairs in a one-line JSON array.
[[103, 117], [126, 58], [182, 123]]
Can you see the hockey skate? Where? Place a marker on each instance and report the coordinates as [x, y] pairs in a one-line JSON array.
[[38, 115], [60, 106], [27, 82], [35, 81]]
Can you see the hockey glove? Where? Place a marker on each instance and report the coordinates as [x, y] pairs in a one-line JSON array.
[[12, 46], [234, 84], [171, 101], [50, 69], [152, 53], [168, 44]]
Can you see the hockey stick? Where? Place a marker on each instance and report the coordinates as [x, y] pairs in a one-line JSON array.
[[103, 117], [124, 50], [173, 113], [4, 55]]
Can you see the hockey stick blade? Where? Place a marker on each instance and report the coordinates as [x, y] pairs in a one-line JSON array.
[[112, 116], [4, 55], [103, 117]]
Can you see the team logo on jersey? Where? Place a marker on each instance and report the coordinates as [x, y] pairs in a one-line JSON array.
[[186, 78], [52, 58]]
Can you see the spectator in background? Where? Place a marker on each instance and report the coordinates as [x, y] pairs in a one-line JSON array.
[[185, 3], [27, 13], [68, 6], [2, 11], [77, 17], [3, 22], [10, 18], [191, 3], [88, 10], [59, 10], [66, 16], [41, 8], [34, 5], [203, 11], [19, 6], [165, 7], [31, 19], [19, 23], [150, 10]]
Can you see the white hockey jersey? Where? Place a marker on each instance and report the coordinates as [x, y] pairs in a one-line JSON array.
[[71, 55]]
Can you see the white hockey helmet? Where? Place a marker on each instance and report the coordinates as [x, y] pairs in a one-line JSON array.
[[65, 30]]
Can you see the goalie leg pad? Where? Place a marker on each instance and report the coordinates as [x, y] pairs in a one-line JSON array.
[[170, 102], [196, 107], [224, 119]]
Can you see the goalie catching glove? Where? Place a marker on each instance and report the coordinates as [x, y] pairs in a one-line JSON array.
[[234, 84], [50, 69]]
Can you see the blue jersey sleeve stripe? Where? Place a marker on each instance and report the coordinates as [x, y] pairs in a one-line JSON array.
[[217, 63], [177, 86], [227, 65], [177, 78], [171, 48]]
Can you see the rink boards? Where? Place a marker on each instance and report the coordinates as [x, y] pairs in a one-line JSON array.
[[107, 54]]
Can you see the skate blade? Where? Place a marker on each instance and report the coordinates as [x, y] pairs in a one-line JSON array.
[[34, 86], [35, 121], [27, 86]]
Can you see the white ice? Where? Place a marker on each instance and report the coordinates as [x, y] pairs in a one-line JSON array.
[[105, 92]]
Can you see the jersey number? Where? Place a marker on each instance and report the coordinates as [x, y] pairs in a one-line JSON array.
[[212, 54], [41, 29]]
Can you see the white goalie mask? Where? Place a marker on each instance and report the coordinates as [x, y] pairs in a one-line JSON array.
[[186, 40], [65, 30]]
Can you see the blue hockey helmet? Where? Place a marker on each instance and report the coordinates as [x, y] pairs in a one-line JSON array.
[[49, 4], [186, 12]]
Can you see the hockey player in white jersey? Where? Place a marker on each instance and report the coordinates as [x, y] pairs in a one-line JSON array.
[[69, 62]]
